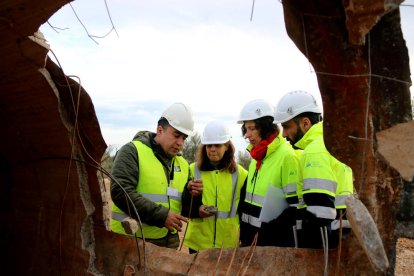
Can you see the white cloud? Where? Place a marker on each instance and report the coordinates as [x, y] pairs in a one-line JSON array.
[[204, 53]]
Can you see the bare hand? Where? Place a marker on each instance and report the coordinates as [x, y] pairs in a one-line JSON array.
[[174, 221], [195, 187], [203, 213]]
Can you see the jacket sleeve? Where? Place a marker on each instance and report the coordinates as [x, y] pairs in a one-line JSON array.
[[124, 189], [290, 179]]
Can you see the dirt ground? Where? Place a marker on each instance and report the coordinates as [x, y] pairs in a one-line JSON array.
[[405, 257]]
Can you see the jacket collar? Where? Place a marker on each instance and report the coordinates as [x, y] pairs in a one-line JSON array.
[[316, 131], [272, 146]]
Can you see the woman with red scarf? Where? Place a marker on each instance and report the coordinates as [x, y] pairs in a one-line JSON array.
[[274, 163]]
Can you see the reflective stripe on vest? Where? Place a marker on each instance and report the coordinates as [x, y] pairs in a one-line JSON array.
[[251, 220], [255, 198], [340, 201], [221, 189], [233, 209], [320, 184], [152, 171], [322, 212], [156, 197], [290, 189], [118, 216], [161, 198]]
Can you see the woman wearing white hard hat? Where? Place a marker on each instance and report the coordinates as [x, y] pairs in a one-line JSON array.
[[214, 218], [274, 170]]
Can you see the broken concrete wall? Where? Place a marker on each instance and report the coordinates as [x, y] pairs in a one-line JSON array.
[[361, 61]]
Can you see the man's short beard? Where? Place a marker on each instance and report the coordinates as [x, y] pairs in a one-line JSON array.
[[299, 134]]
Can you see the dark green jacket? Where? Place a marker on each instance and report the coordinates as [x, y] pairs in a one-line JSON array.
[[125, 172]]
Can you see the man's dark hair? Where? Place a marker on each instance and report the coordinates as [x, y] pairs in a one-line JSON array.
[[265, 126], [313, 117], [163, 122]]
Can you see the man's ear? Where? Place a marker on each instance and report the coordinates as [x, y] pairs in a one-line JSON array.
[[159, 130], [306, 123]]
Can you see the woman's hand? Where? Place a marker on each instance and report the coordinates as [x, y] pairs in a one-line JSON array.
[[195, 187], [204, 212]]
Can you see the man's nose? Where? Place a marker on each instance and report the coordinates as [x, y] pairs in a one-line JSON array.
[[180, 140]]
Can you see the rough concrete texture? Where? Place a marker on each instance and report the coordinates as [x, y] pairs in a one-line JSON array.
[[51, 144], [396, 145]]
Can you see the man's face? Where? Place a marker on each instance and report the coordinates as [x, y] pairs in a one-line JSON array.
[[171, 140], [292, 131]]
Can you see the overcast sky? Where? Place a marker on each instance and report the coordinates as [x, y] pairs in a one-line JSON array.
[[205, 53]]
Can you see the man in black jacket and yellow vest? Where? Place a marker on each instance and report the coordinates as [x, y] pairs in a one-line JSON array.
[[325, 181], [149, 176]]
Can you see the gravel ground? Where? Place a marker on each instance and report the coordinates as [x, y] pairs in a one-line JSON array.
[[405, 257]]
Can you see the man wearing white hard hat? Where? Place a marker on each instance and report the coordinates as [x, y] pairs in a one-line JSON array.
[[325, 181], [149, 176]]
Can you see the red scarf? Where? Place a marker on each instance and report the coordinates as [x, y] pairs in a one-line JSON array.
[[259, 152]]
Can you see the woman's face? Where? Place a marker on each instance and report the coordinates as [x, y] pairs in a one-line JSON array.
[[252, 133], [216, 152]]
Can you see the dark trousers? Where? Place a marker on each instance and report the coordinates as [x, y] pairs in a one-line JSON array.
[[279, 232], [310, 235]]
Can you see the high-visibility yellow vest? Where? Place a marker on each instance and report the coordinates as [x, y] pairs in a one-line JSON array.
[[154, 186], [323, 173], [220, 189], [280, 168]]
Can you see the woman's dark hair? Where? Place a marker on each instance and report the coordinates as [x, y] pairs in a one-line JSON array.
[[264, 125], [228, 162]]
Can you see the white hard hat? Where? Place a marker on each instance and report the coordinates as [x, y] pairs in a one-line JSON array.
[[215, 132], [180, 117], [294, 103], [256, 109]]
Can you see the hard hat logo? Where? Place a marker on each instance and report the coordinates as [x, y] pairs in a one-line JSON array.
[[255, 109], [290, 110], [259, 112]]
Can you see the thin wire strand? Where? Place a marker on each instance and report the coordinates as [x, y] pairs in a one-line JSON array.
[[86, 29], [253, 249], [110, 18], [218, 259], [251, 13], [338, 258], [189, 218], [97, 163], [56, 28], [192, 263], [231, 261], [368, 99]]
